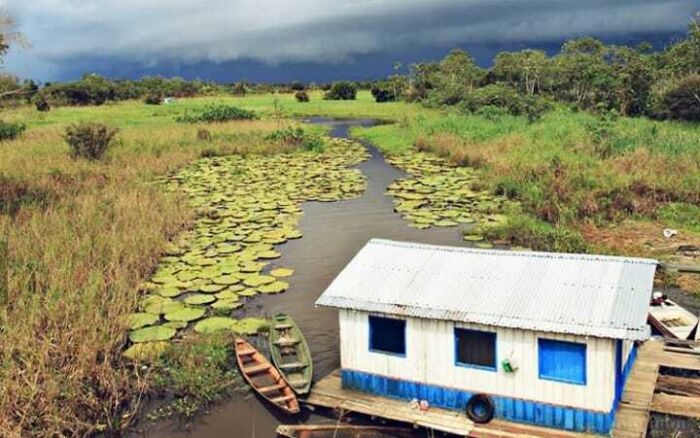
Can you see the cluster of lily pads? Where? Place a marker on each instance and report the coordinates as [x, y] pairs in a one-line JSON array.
[[436, 194], [245, 206]]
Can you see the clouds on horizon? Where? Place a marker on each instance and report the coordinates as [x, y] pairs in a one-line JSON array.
[[64, 33]]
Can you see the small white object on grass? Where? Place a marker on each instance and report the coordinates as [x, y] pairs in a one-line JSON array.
[[669, 232]]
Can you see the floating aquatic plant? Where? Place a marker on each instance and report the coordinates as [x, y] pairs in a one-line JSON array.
[[245, 206]]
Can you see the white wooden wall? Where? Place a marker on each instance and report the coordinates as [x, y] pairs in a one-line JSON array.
[[430, 359]]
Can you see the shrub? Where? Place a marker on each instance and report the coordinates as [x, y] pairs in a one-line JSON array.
[[536, 234], [195, 373], [507, 99], [203, 134], [89, 140], [238, 89], [298, 86], [302, 96], [341, 91], [681, 100], [10, 131], [153, 99], [218, 114], [42, 104], [384, 93], [298, 136]]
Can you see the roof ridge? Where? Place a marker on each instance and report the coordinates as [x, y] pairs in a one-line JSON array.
[[512, 253]]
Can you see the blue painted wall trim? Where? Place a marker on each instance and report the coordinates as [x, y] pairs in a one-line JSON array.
[[524, 411], [622, 373]]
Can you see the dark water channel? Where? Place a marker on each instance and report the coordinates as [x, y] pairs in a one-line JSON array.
[[332, 233]]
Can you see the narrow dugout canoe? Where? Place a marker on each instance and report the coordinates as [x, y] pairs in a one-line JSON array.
[[290, 353], [264, 378]]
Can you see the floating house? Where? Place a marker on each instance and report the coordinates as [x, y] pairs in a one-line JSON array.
[[532, 337]]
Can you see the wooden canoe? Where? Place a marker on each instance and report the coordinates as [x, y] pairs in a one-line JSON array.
[[341, 431], [290, 353], [672, 320], [264, 378]]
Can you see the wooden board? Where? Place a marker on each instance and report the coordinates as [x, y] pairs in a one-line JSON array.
[[639, 398], [678, 386], [676, 405], [329, 393]]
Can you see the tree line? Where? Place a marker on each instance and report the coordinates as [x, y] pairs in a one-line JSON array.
[[585, 73]]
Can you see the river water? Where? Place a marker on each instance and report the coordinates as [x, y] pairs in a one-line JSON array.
[[333, 232]]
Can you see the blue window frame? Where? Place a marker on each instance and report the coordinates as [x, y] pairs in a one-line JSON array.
[[475, 349], [387, 335], [562, 361]]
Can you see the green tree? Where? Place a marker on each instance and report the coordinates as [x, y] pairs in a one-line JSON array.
[[633, 73], [683, 58], [582, 74], [458, 76], [524, 70]]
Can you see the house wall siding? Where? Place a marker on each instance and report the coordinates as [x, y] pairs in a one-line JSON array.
[[430, 360]]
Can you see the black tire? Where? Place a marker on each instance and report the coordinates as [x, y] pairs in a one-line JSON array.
[[480, 408]]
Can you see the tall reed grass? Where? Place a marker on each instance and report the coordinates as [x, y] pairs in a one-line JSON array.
[[82, 235]]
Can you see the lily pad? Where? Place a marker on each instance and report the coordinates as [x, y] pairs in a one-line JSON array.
[[473, 237], [145, 351], [138, 320], [282, 272], [274, 287], [214, 324], [186, 315], [248, 292], [249, 326], [226, 280], [227, 304], [175, 324], [211, 288], [258, 280], [164, 306], [196, 299], [152, 334]]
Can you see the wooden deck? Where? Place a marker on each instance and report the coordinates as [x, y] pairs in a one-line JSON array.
[[329, 393], [631, 421], [639, 397]]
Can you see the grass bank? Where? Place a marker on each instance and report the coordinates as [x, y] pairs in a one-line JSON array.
[[82, 236], [570, 170]]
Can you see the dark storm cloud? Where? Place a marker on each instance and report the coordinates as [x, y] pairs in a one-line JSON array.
[[161, 32]]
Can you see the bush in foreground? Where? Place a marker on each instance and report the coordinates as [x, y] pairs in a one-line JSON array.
[[297, 137], [218, 114], [491, 99], [195, 373], [301, 96], [536, 234], [153, 99], [341, 91], [11, 131], [89, 140], [681, 100], [42, 104]]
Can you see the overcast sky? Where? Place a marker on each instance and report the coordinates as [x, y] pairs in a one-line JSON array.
[[283, 40]]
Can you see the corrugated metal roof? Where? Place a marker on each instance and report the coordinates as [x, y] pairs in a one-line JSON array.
[[579, 294]]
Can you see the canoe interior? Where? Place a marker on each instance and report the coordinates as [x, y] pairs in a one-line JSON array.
[[264, 378], [672, 320], [290, 353]]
